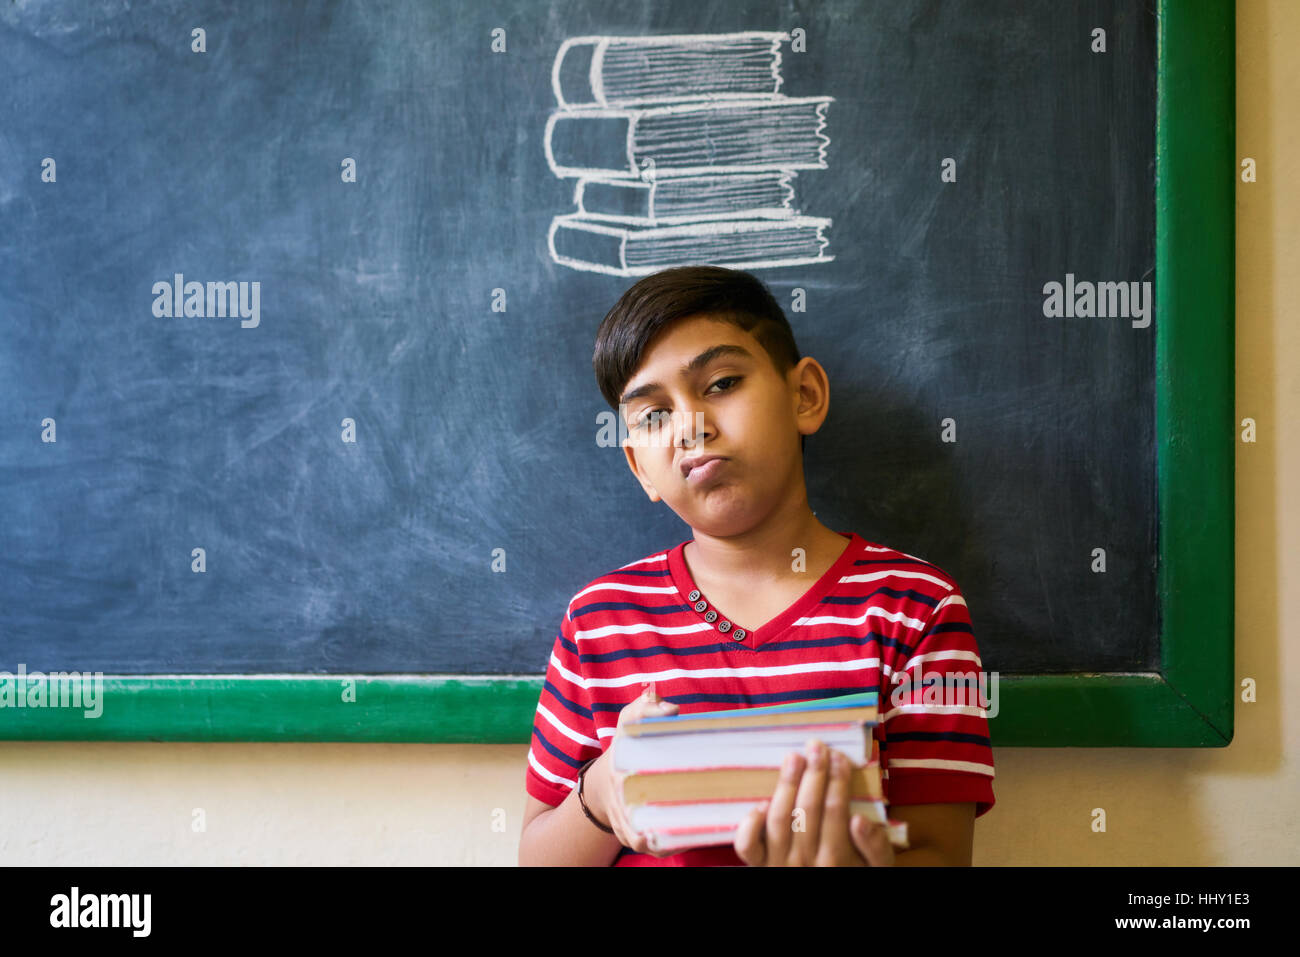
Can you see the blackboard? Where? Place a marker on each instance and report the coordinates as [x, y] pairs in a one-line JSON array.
[[390, 458]]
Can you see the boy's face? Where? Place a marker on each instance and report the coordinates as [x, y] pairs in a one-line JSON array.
[[730, 404]]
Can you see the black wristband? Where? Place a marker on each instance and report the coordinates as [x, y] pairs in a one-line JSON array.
[[583, 801]]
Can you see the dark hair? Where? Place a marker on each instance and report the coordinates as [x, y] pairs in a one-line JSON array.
[[656, 301]]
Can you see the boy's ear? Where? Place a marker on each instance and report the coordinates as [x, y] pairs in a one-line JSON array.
[[811, 395], [630, 452]]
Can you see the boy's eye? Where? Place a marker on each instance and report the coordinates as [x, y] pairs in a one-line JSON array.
[[651, 417]]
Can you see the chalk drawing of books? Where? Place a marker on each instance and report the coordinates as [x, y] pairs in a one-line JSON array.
[[685, 199], [683, 150]]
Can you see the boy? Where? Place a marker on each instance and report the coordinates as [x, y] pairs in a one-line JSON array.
[[764, 605]]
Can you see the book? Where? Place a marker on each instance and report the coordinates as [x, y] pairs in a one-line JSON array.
[[686, 199], [608, 71], [688, 139], [690, 780], [620, 250], [686, 132]]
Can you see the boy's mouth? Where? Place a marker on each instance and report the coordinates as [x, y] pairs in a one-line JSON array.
[[699, 468]]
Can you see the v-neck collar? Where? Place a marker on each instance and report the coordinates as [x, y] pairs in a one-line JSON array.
[[725, 629]]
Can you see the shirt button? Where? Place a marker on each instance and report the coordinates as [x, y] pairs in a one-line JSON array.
[[710, 616], [701, 605], [724, 626], [739, 634], [693, 595]]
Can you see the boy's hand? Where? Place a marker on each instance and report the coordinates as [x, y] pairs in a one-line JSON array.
[[609, 784], [822, 835]]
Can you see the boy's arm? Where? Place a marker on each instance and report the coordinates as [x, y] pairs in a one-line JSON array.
[[561, 836], [942, 834], [940, 760], [565, 737]]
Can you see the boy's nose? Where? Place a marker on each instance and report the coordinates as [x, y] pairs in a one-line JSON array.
[[691, 429]]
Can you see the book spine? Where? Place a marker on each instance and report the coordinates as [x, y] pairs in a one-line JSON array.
[[686, 199], [689, 139], [686, 725], [608, 70], [849, 702], [586, 246], [717, 785]]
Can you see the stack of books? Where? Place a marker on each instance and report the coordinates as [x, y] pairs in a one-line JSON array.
[[684, 151], [692, 779]]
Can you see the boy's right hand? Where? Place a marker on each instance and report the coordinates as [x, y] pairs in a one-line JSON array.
[[609, 784]]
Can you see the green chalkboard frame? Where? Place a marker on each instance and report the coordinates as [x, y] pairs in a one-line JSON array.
[[1188, 703]]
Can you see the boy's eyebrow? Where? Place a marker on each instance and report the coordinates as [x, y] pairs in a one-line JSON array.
[[699, 362]]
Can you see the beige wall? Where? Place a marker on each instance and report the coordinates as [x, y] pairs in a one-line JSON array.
[[73, 803]]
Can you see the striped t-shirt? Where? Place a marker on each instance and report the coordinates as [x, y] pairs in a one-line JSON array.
[[875, 612]]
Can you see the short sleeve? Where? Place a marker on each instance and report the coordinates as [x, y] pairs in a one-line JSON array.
[[564, 731], [936, 729]]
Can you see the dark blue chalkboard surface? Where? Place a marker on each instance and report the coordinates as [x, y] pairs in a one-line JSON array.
[[384, 434]]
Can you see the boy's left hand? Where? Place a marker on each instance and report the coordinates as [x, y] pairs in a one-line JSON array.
[[772, 836]]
